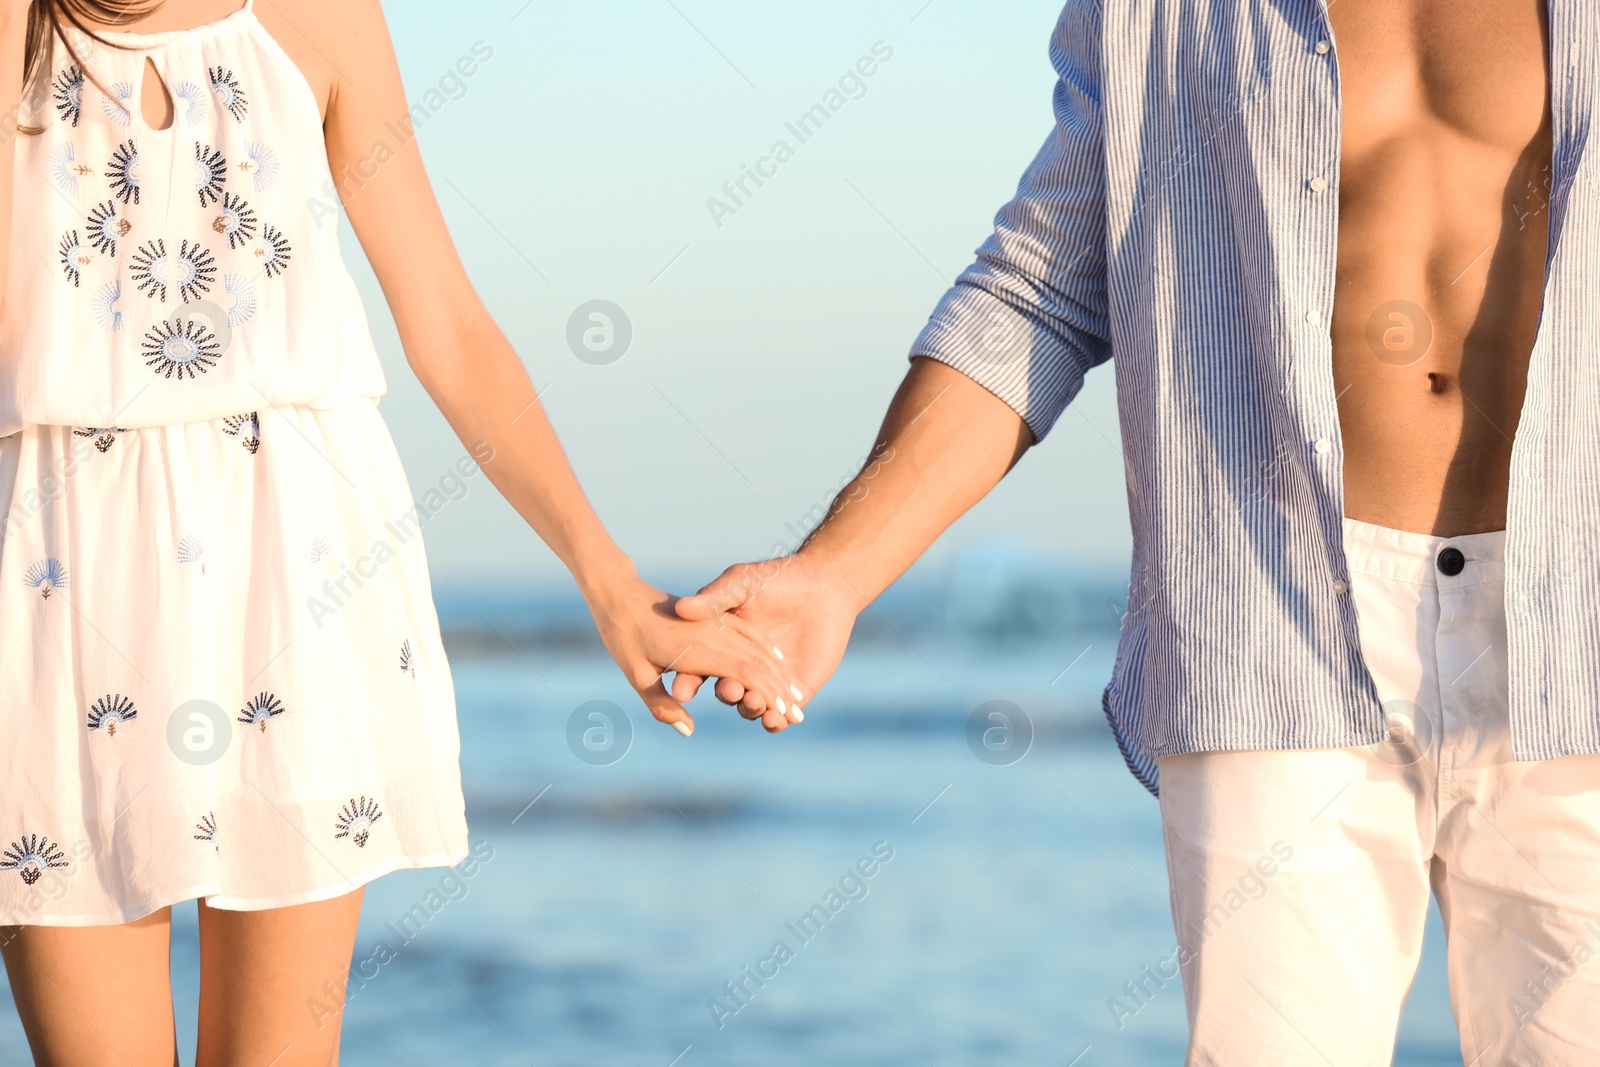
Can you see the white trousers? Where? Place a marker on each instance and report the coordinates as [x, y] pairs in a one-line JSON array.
[[1300, 880]]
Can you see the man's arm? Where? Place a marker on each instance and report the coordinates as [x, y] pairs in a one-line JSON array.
[[1002, 356], [945, 442]]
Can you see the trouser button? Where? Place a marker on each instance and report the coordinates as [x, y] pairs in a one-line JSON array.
[[1451, 561]]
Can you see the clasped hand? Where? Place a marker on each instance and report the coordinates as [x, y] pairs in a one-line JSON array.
[[798, 606], [770, 634]]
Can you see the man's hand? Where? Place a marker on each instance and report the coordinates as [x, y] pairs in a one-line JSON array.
[[648, 639], [807, 612]]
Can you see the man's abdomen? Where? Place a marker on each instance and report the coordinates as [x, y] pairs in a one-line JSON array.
[[1444, 183]]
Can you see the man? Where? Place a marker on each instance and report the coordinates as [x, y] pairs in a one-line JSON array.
[[1345, 261]]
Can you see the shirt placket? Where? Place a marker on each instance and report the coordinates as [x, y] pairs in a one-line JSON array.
[[1319, 215]]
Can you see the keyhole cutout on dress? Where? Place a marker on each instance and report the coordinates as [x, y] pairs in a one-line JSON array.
[[155, 102]]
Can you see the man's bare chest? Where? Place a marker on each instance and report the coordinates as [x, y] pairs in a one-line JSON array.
[[1472, 70]]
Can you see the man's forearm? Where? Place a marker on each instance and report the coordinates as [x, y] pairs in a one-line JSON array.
[[945, 442]]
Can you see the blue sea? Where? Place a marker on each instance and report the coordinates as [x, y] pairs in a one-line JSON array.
[[631, 878]]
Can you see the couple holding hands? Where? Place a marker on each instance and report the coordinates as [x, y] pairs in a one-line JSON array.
[[1319, 397]]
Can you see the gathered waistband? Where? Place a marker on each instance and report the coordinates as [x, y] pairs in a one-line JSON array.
[[1420, 559], [258, 412]]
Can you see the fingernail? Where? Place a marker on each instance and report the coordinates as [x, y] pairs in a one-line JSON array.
[[776, 651], [683, 728], [783, 709], [797, 715], [798, 695]]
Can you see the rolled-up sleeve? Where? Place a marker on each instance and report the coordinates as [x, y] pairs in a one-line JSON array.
[[1028, 319]]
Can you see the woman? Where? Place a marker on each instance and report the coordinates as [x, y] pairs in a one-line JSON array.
[[220, 670]]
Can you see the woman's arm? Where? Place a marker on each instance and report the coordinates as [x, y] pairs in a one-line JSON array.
[[472, 373]]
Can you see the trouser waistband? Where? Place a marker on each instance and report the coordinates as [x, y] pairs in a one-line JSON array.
[[1424, 559]]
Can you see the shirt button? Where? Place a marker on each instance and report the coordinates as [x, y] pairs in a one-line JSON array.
[[1341, 586], [1313, 316], [1323, 48], [1323, 446], [1318, 184]]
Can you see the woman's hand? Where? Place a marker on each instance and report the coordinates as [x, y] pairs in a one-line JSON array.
[[644, 634]]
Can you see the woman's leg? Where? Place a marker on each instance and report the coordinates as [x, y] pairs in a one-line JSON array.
[[94, 996], [272, 983]]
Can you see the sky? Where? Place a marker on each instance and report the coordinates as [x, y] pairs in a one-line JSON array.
[[580, 162]]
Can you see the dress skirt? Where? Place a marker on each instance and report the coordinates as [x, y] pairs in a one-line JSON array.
[[220, 668]]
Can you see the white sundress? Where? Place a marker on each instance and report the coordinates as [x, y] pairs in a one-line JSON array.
[[220, 667]]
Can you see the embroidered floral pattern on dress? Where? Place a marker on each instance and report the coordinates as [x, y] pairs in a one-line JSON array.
[[191, 271], [206, 830], [261, 163], [110, 711], [247, 428], [47, 576], [73, 257], [356, 819], [104, 305], [190, 550], [274, 251], [210, 171], [181, 348], [408, 663], [244, 298], [194, 101], [106, 226], [124, 172], [319, 549], [237, 222], [176, 349], [67, 91], [229, 94], [30, 856], [104, 436], [262, 709], [64, 169], [119, 105]]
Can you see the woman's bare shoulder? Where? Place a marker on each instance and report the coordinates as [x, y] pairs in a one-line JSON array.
[[322, 37]]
